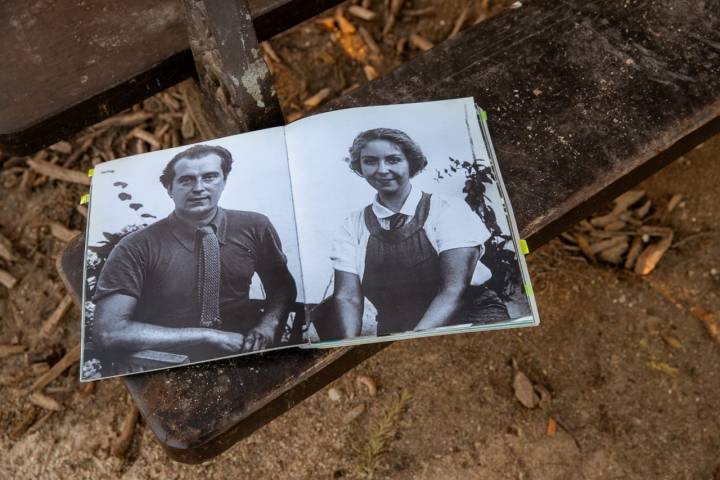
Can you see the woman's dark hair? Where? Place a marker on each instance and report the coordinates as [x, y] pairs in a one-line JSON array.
[[197, 151], [410, 149]]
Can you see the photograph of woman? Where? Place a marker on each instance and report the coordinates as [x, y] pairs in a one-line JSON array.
[[415, 255]]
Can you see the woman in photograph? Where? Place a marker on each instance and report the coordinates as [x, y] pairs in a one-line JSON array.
[[412, 254]]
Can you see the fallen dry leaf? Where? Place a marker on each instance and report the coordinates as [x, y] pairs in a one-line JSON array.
[[421, 43], [627, 200], [524, 391], [672, 341], [601, 221], [634, 252], [551, 427], [43, 401], [711, 322], [354, 413], [7, 280], [370, 72], [614, 254], [62, 147], [317, 99], [368, 382], [584, 245], [598, 247], [664, 368], [649, 258], [361, 12], [334, 394], [643, 210]]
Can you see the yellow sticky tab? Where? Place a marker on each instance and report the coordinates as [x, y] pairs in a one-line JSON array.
[[524, 247], [85, 199], [528, 290], [483, 115], [91, 172]]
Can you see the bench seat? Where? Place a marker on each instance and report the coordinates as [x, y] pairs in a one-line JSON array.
[[585, 99]]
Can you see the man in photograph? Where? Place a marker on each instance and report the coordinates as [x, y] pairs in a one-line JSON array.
[[181, 285]]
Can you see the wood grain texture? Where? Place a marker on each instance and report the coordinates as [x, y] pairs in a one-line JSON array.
[[579, 94], [584, 99], [74, 63], [233, 76]]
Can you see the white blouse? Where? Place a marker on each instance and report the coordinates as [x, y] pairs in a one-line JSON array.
[[450, 224]]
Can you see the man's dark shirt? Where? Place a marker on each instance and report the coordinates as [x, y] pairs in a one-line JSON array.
[[158, 266]]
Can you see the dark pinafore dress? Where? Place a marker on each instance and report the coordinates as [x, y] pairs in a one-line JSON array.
[[402, 271], [402, 277]]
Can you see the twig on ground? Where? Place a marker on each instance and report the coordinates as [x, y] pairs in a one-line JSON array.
[[145, 136], [69, 359], [58, 173], [43, 401], [122, 443], [62, 233], [57, 315], [127, 120], [369, 40], [362, 13], [370, 72], [38, 425], [7, 280], [5, 251], [692, 237], [394, 10], [460, 21], [8, 350], [317, 99], [25, 422], [85, 390], [419, 12], [270, 52], [421, 43]]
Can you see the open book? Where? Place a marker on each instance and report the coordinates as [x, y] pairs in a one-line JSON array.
[[348, 227]]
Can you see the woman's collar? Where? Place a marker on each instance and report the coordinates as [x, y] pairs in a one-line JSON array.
[[408, 208]]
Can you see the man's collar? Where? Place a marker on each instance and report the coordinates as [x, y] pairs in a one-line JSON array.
[[408, 208], [185, 234]]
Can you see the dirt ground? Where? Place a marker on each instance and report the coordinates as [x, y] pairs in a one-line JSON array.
[[629, 369]]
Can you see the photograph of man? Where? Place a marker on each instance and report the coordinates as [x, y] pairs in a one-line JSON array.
[[181, 284], [412, 254]]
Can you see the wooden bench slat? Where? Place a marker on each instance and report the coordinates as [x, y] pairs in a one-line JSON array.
[[74, 63], [598, 123]]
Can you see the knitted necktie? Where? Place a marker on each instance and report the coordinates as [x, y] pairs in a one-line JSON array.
[[397, 220], [209, 278]]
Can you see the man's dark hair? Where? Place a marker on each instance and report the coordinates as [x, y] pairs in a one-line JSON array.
[[195, 152], [410, 149]]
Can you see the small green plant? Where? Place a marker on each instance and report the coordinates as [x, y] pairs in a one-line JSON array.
[[380, 436]]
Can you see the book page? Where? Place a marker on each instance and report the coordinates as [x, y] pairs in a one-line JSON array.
[[389, 233], [166, 286]]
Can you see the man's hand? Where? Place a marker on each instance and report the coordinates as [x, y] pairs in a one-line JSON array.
[[227, 341], [259, 338]]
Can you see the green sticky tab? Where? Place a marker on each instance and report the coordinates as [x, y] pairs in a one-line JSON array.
[[524, 247], [91, 172], [483, 115], [528, 290], [85, 199]]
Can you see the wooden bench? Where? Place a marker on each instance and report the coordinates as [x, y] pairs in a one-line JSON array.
[[584, 98], [74, 63]]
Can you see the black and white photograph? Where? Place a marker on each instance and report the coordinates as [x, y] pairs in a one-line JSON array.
[[401, 224], [354, 226], [191, 255]]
